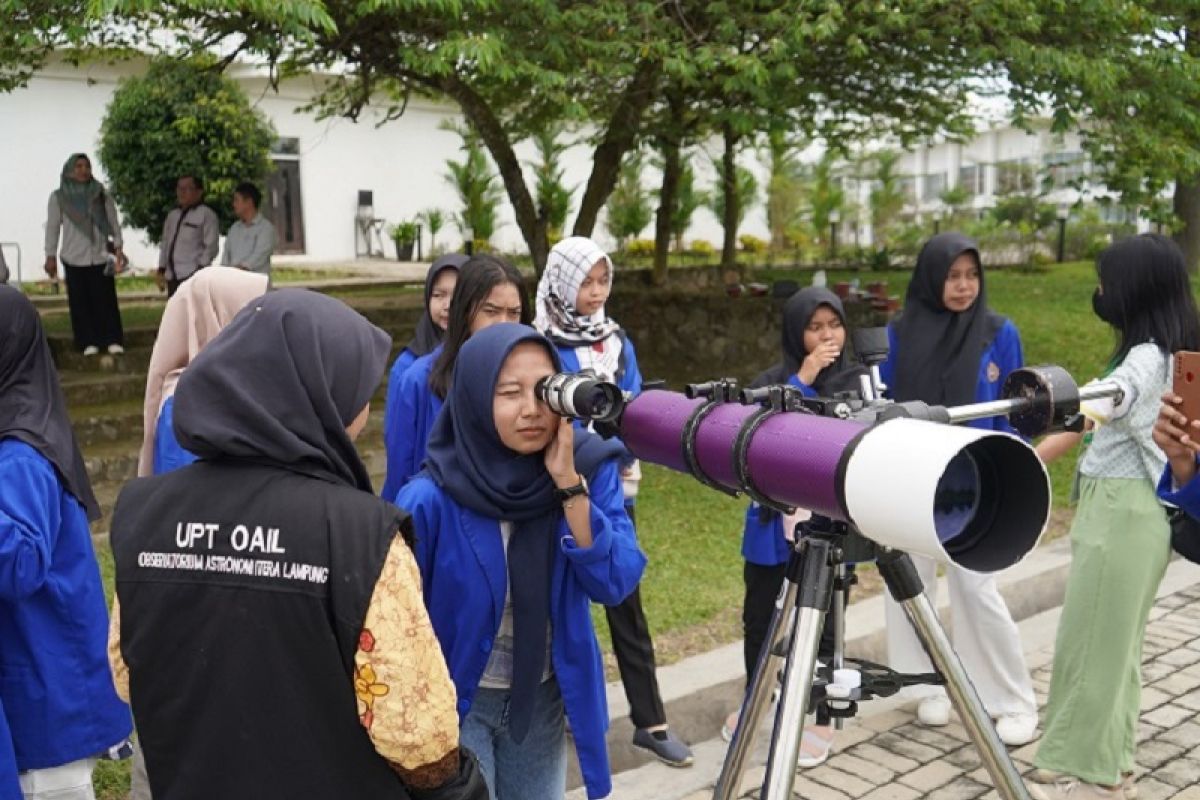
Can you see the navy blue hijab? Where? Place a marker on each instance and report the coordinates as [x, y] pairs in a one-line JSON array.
[[428, 335], [32, 406], [467, 459], [280, 385]]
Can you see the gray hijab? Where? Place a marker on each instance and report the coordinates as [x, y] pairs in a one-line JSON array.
[[280, 384]]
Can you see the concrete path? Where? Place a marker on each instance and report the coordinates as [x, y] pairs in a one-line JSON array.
[[885, 755]]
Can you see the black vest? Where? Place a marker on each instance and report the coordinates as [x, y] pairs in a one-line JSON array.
[[243, 591]]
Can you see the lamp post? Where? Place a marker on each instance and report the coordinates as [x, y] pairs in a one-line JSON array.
[[937, 222], [835, 217], [1062, 213]]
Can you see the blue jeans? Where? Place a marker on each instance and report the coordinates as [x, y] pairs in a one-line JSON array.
[[535, 769]]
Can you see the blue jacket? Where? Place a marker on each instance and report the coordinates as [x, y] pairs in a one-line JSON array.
[[1186, 497], [169, 455], [407, 423], [1003, 356], [763, 542], [56, 687], [464, 577], [395, 378], [10, 787]]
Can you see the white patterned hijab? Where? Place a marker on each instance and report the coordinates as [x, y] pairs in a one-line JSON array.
[[567, 266]]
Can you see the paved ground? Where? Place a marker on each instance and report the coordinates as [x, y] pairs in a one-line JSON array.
[[886, 756]]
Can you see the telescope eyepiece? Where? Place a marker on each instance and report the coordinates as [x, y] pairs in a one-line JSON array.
[[581, 396]]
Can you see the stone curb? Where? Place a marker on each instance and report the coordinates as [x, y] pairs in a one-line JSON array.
[[700, 691]]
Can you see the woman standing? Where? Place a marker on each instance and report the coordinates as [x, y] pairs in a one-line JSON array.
[[949, 348], [55, 687], [489, 290], [814, 361], [1120, 537], [85, 213], [505, 493], [571, 297], [439, 288], [272, 550]]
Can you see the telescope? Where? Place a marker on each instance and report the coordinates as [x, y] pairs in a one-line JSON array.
[[580, 395], [895, 471]]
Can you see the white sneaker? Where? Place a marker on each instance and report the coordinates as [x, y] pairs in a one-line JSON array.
[[115, 350], [91, 350], [1016, 729], [934, 711], [1073, 789]]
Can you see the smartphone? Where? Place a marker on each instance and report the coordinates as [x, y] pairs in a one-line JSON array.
[[1187, 383]]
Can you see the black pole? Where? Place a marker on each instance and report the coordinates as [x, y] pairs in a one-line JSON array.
[[1062, 239], [832, 241]]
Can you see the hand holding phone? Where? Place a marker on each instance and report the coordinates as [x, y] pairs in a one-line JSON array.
[[1187, 383]]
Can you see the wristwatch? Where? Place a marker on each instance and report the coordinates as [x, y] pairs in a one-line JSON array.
[[578, 490]]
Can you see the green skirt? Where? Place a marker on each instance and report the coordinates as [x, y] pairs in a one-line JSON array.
[[1120, 546]]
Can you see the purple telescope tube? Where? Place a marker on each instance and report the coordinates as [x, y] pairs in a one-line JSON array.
[[792, 458]]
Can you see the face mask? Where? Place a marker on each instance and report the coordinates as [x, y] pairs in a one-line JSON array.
[[1102, 307]]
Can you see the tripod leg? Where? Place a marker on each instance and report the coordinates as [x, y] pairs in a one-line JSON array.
[[818, 558], [758, 695], [905, 586]]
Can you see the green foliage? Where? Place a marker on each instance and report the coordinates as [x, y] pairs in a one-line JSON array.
[[687, 200], [887, 197], [700, 247], [747, 192], [752, 244], [181, 117], [629, 210], [639, 248], [404, 232], [785, 187], [553, 196], [475, 183], [826, 196], [435, 220]]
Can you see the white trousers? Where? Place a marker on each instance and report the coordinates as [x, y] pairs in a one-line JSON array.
[[66, 782], [984, 636]]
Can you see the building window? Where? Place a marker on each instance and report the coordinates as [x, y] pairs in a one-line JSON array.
[[1013, 177], [1066, 169], [935, 184], [286, 146], [970, 179], [908, 187]]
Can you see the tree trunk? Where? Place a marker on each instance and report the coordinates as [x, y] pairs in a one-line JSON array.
[[532, 224], [729, 190], [666, 209], [619, 137], [1187, 208]]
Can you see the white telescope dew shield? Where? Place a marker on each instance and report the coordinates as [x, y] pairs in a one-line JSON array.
[[979, 499]]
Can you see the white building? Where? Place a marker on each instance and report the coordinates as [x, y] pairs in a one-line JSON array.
[[322, 166], [998, 160]]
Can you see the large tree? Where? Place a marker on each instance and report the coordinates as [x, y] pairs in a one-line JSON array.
[[183, 117], [1128, 76]]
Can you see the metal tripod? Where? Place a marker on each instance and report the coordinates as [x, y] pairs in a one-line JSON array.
[[792, 642]]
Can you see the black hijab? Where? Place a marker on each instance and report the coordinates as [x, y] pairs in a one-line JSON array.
[[32, 407], [940, 349], [841, 375], [280, 384], [429, 335]]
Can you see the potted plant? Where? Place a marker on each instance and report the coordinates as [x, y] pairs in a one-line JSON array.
[[404, 235]]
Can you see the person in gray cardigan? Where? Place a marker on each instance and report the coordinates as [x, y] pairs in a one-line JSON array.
[[190, 233], [86, 215], [251, 239]]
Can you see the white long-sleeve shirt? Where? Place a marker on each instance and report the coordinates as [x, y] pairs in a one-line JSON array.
[[77, 248]]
